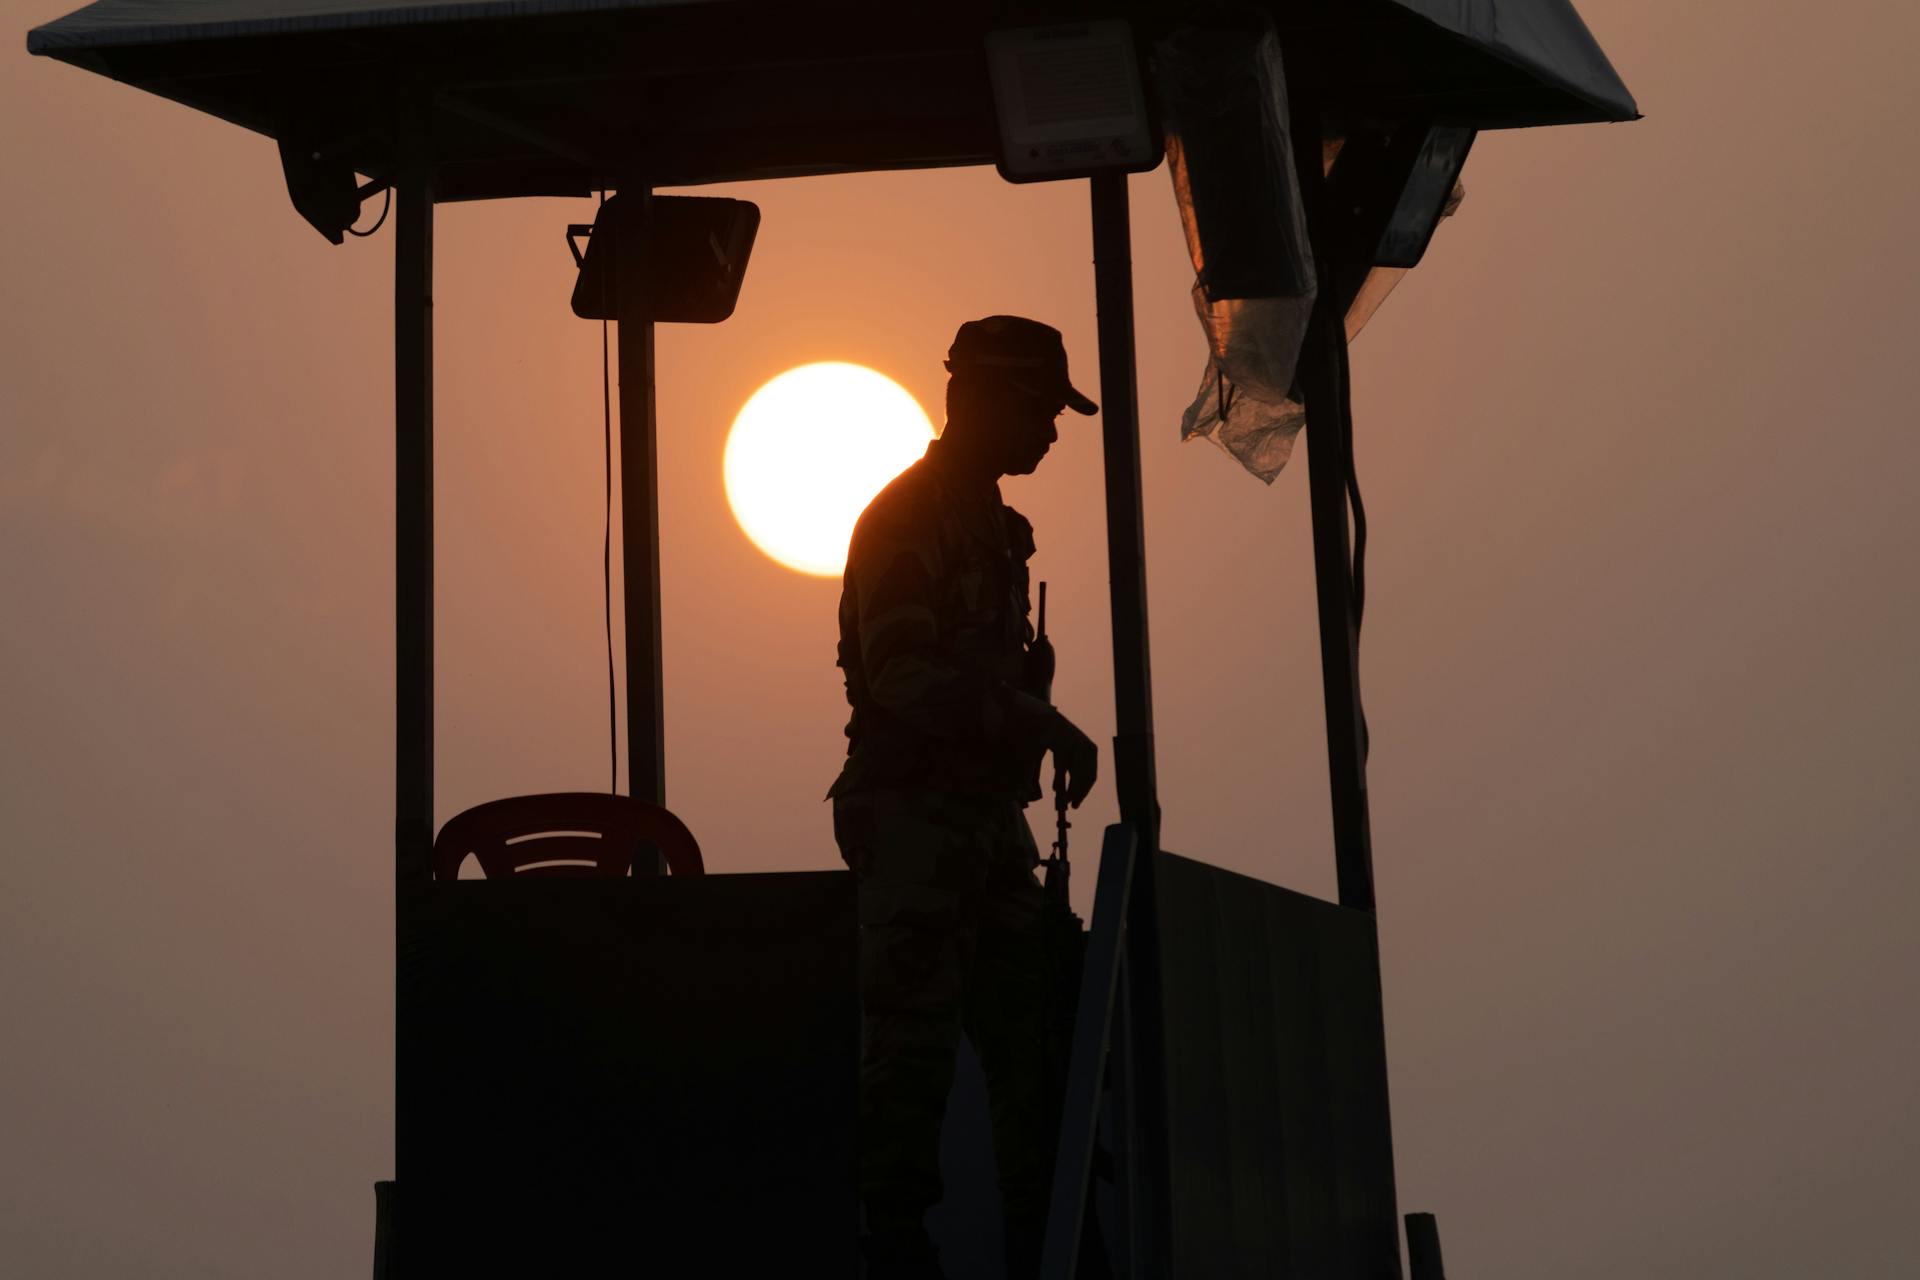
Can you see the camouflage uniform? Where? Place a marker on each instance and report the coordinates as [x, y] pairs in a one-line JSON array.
[[928, 814]]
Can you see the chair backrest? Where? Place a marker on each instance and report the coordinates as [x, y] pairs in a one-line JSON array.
[[566, 833]]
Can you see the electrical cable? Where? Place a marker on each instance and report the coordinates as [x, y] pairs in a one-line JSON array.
[[606, 534], [386, 207], [1357, 567], [1358, 570]]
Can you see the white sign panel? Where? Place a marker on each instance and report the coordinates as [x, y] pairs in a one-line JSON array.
[[1069, 101]]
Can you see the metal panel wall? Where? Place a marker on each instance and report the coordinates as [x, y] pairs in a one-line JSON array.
[[626, 1077], [1280, 1149]]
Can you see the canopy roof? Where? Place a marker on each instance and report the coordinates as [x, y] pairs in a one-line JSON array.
[[551, 97]]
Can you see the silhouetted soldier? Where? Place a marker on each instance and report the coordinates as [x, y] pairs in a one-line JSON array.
[[950, 722]]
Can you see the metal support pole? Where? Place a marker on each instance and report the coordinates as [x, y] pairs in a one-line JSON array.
[[1121, 1129], [1324, 386], [1133, 765], [1126, 533], [640, 521], [1323, 378], [1423, 1248], [412, 564], [413, 503]]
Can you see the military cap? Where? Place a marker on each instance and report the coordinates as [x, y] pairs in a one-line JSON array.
[[1024, 352]]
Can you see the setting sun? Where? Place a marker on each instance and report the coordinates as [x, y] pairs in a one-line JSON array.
[[807, 453]]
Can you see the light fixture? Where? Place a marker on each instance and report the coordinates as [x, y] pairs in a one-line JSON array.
[[323, 187], [1069, 101], [688, 257], [1436, 167]]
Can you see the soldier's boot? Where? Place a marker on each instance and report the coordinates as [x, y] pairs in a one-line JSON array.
[[901, 1253], [1025, 1235]]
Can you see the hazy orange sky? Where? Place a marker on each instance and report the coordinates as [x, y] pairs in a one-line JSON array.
[[1638, 445]]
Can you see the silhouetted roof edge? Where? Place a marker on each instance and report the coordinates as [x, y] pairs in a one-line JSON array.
[[1547, 39], [759, 88], [108, 24]]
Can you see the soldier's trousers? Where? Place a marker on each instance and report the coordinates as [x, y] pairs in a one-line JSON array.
[[950, 941]]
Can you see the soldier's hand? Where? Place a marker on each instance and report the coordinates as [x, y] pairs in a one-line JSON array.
[[1076, 760]]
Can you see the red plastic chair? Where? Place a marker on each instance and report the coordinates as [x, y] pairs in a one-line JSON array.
[[565, 833]]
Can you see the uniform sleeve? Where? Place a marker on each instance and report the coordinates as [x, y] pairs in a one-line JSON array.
[[895, 570], [1020, 543]]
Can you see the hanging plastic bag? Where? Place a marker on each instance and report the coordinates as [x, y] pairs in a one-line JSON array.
[[1230, 154]]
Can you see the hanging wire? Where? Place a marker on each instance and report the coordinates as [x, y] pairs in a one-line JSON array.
[[606, 533], [1357, 568], [386, 207], [1358, 572]]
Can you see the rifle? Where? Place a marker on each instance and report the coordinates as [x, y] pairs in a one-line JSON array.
[[1056, 865], [1062, 933]]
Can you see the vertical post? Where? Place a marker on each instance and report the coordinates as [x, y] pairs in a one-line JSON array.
[[640, 511], [1323, 377], [1423, 1248], [413, 564], [1324, 386], [413, 499], [1120, 1122], [1133, 764], [1126, 533]]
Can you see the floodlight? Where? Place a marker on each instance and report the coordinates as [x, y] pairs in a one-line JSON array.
[[324, 189], [688, 257], [1070, 101], [1423, 199]]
